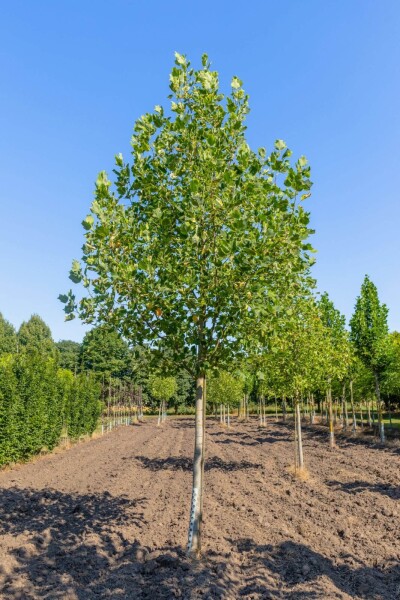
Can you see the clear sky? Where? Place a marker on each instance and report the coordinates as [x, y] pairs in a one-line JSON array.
[[324, 75]]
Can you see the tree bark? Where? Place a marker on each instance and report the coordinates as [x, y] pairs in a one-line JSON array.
[[196, 512]]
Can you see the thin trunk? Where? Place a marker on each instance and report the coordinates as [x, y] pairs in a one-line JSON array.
[[379, 407], [196, 512], [346, 416], [299, 443], [331, 430], [353, 410], [284, 408], [369, 413]]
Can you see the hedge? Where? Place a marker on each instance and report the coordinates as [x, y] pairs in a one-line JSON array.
[[39, 401]]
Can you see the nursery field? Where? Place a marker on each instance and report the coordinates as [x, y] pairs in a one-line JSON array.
[[108, 518]]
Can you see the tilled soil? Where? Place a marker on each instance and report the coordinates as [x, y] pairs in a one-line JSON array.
[[108, 518]]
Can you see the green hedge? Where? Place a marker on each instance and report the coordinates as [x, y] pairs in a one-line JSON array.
[[38, 401]]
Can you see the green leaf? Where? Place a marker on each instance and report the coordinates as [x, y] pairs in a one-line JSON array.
[[302, 161], [75, 273], [88, 222], [180, 59], [280, 145], [63, 298], [236, 83]]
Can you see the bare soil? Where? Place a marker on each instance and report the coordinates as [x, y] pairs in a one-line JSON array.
[[108, 518]]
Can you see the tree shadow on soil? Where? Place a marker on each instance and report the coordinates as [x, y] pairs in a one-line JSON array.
[[298, 565], [182, 463], [355, 487], [73, 547], [244, 439], [69, 540]]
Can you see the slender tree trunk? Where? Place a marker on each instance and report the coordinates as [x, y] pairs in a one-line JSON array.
[[379, 407], [196, 512], [369, 413], [229, 418], [299, 442], [284, 412], [311, 409], [353, 410], [346, 416], [159, 414], [331, 429]]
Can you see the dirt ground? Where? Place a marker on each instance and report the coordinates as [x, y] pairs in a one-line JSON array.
[[108, 518]]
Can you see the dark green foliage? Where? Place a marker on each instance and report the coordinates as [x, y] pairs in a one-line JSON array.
[[38, 400], [369, 328], [105, 352], [35, 336], [69, 354], [8, 337]]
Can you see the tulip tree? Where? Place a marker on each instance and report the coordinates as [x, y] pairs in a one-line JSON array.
[[194, 242], [369, 334], [162, 389], [225, 388]]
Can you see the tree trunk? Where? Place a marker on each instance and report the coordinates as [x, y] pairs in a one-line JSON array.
[[353, 410], [379, 407], [196, 512], [299, 441], [345, 415], [331, 430], [284, 408], [369, 413]]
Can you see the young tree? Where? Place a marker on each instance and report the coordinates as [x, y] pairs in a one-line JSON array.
[[336, 351], [224, 388], [369, 334], [197, 240], [162, 389]]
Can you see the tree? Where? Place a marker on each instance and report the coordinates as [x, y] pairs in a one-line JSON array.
[[336, 351], [35, 336], [369, 334], [197, 240], [105, 352], [225, 388], [162, 389], [69, 354], [8, 337]]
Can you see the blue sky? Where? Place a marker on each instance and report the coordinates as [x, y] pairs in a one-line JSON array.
[[324, 75]]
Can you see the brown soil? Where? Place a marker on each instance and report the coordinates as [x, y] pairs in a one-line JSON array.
[[108, 518]]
